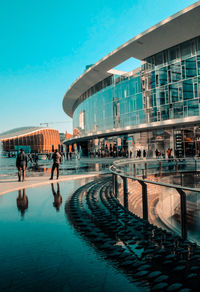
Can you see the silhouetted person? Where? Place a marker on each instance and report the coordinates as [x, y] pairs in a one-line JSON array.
[[144, 153], [22, 202], [57, 197], [21, 164], [56, 163]]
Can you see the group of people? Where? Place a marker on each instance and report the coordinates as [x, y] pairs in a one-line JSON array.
[[22, 161], [139, 153], [162, 155]]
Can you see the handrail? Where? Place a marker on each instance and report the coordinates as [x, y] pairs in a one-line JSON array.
[[143, 182], [153, 182]]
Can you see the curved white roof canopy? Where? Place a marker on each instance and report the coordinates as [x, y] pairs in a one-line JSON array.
[[175, 29]]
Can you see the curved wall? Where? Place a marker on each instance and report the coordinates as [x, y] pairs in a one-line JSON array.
[[39, 141], [115, 106], [166, 88]]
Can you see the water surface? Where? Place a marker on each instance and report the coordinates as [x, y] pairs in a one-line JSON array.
[[40, 250]]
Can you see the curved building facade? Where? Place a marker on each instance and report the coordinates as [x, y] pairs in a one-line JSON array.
[[155, 107], [34, 139]]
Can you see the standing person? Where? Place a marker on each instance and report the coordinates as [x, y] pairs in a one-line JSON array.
[[169, 152], [144, 153], [56, 163], [21, 164]]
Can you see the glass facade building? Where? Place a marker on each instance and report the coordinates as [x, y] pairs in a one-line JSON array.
[[154, 107]]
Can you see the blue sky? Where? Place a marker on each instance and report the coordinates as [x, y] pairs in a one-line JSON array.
[[46, 44]]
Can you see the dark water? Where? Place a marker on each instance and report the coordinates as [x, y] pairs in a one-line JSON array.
[[40, 250]]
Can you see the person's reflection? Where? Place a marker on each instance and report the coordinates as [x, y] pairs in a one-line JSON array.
[[57, 197], [22, 201]]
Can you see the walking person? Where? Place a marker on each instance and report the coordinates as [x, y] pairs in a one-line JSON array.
[[56, 163], [21, 164], [57, 196]]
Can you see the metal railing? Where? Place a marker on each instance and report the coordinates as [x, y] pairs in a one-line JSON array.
[[140, 169]]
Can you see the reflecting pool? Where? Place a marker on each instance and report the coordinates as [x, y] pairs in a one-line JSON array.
[[40, 250]]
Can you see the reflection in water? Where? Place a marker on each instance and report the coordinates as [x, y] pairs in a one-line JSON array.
[[57, 197], [22, 201]]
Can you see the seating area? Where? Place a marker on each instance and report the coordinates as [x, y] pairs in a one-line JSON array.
[[151, 257]]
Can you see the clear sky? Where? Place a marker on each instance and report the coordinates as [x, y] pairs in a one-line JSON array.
[[46, 44]]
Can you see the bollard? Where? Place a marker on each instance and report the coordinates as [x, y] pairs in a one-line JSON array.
[[144, 200], [183, 213]]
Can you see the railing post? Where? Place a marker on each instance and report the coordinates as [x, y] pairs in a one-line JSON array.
[[116, 186], [183, 213], [125, 187], [145, 167], [134, 171], [176, 165], [160, 168], [144, 200], [113, 184]]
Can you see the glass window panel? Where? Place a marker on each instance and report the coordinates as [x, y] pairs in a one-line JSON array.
[[154, 114], [164, 112], [175, 72], [172, 54], [183, 69], [162, 76], [195, 90], [193, 107], [198, 45], [159, 59], [191, 69], [186, 50], [173, 91], [178, 110], [198, 64], [180, 90], [166, 95], [187, 89]]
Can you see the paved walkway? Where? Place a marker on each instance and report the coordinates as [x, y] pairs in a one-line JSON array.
[[11, 184]]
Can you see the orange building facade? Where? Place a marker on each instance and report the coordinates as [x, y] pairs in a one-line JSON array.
[[41, 140]]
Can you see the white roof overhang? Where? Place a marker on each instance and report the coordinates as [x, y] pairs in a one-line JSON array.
[[174, 30]]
